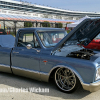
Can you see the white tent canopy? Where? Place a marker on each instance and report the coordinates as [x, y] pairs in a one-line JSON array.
[[76, 23]]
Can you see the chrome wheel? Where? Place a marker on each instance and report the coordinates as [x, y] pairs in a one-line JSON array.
[[65, 79]]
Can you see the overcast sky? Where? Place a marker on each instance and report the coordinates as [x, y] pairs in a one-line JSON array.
[[75, 5]]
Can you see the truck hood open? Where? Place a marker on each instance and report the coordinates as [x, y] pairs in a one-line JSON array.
[[82, 34]]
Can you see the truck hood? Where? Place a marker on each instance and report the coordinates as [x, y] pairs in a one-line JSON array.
[[96, 57], [82, 34]]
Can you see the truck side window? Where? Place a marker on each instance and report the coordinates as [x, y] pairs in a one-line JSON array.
[[28, 38]]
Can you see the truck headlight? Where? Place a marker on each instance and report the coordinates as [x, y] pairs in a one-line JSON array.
[[97, 74]]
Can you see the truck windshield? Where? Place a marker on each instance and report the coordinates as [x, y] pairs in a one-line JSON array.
[[51, 38]]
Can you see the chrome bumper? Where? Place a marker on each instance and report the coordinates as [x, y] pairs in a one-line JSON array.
[[92, 87]]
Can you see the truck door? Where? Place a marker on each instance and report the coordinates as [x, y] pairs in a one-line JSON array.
[[5, 59], [6, 45], [26, 57]]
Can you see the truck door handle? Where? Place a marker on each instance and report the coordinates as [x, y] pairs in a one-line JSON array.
[[15, 52]]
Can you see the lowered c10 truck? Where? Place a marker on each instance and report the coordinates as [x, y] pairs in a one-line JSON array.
[[44, 53]]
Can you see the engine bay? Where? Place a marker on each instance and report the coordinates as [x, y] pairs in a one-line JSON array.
[[75, 51], [82, 54]]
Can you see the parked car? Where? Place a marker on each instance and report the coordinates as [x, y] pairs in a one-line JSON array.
[[2, 32], [44, 53], [94, 44]]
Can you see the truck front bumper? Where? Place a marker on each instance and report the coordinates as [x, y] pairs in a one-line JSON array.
[[92, 87]]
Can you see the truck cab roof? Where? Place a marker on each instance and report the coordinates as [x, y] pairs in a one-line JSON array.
[[40, 28]]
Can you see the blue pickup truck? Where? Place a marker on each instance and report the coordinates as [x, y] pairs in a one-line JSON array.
[[44, 53]]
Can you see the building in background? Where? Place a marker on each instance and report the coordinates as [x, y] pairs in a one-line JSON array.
[[14, 14], [33, 10]]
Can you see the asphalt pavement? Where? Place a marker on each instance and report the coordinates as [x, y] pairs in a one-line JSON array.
[[8, 81]]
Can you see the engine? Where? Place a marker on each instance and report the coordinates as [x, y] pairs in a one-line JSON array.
[[82, 54]]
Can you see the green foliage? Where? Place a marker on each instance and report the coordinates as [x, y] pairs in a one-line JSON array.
[[28, 24], [68, 22], [60, 25], [46, 24], [68, 31]]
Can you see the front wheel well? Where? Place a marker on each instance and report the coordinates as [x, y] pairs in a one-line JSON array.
[[52, 73]]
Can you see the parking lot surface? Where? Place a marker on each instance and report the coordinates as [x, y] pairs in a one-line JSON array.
[[17, 82]]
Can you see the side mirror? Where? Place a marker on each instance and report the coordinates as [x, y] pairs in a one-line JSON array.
[[29, 46]]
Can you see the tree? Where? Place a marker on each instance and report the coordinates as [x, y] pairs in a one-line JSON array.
[[28, 24], [46, 24], [60, 25]]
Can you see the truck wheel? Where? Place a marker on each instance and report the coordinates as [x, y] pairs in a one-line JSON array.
[[66, 80]]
